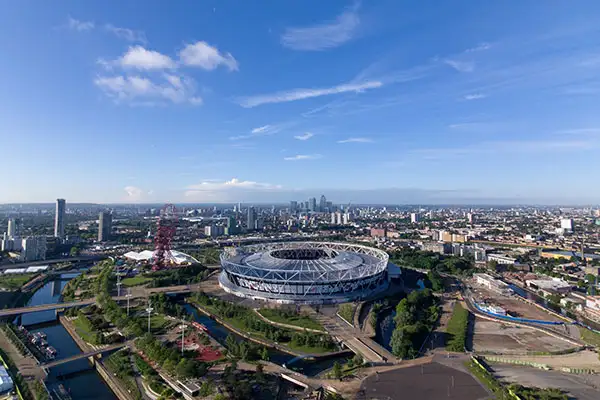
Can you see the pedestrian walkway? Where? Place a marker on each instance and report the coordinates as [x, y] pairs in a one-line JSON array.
[[353, 338]]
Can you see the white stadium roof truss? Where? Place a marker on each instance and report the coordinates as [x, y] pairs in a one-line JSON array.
[[330, 268]]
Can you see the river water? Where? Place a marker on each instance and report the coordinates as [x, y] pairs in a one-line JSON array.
[[78, 377]]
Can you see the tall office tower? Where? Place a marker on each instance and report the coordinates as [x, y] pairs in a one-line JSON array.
[[312, 204], [293, 206], [104, 226], [322, 203], [59, 218], [12, 228], [415, 218], [251, 220]]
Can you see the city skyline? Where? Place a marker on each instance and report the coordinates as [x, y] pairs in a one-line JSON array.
[[368, 103]]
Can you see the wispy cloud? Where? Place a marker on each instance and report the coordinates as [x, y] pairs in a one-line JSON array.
[[325, 35], [305, 136], [79, 26], [215, 190], [300, 94], [303, 157], [480, 47], [203, 55], [264, 130], [145, 91], [474, 96], [126, 34], [356, 140], [460, 66]]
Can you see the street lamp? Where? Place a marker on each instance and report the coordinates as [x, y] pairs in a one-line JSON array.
[[149, 311]]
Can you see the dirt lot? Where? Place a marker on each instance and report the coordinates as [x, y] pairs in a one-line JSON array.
[[515, 307], [507, 339]]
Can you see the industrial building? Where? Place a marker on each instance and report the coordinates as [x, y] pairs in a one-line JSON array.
[[493, 284]]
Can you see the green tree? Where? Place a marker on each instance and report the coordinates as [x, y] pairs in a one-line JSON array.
[[337, 371], [264, 354]]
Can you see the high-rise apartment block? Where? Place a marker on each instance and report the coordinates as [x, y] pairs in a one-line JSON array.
[[566, 224], [251, 219], [104, 226], [12, 228], [415, 218], [59, 218], [33, 248]]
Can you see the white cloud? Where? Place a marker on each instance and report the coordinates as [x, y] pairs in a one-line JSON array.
[[481, 47], [474, 96], [144, 91], [461, 66], [133, 193], [356, 140], [80, 26], [126, 34], [140, 58], [323, 36], [226, 190], [301, 157], [306, 136], [264, 130], [300, 94], [203, 55]]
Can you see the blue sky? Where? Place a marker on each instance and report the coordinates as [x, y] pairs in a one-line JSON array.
[[221, 101]]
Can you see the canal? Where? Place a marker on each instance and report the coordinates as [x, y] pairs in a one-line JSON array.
[[78, 377], [306, 367]]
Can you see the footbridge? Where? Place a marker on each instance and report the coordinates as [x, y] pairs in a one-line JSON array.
[[181, 289], [80, 356]]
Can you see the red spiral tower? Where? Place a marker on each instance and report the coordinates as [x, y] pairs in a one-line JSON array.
[[165, 231]]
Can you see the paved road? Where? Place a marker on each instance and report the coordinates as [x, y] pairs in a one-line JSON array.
[[49, 262]]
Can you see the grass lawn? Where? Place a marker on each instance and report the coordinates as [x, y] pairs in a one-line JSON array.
[[590, 337], [89, 337], [157, 322], [302, 321], [135, 281], [239, 325], [14, 281]]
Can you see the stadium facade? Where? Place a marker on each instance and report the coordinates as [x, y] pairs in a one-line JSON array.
[[304, 272]]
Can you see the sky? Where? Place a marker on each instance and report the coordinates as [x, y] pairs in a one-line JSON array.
[[382, 101]]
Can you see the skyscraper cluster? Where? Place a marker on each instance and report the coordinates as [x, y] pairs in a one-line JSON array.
[[311, 205]]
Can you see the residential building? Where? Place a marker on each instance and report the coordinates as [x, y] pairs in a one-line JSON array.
[[104, 226], [470, 218], [566, 224], [378, 232], [346, 218], [33, 248], [415, 218], [214, 230], [12, 228], [59, 218], [6, 382], [251, 219], [501, 259]]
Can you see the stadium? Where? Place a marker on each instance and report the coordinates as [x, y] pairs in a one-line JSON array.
[[304, 272]]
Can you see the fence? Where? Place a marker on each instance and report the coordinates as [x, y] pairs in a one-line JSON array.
[[517, 319]]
